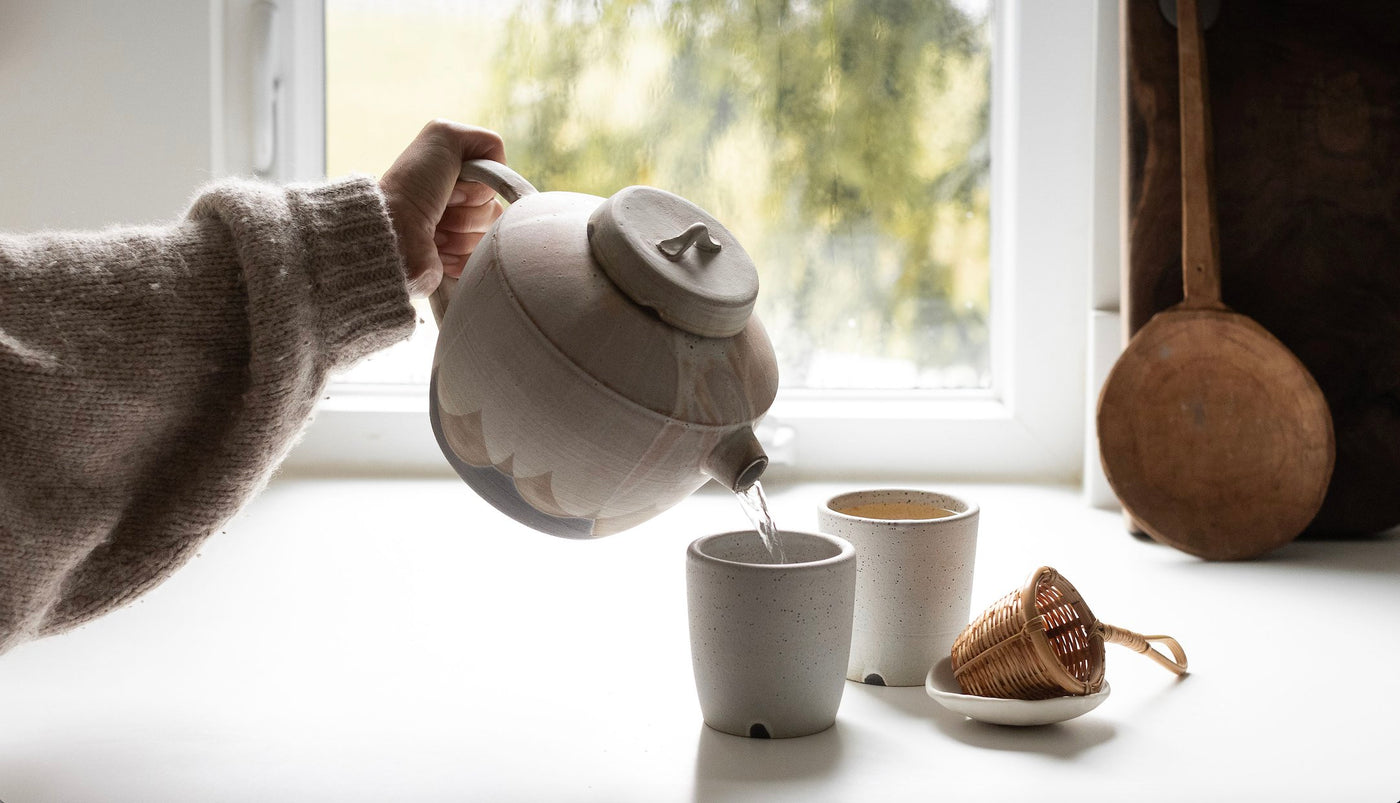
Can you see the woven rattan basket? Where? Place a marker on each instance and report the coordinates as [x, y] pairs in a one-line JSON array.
[[1042, 641]]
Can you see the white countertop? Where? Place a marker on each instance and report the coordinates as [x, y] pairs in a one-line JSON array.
[[373, 640]]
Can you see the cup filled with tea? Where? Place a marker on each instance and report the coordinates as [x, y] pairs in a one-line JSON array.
[[914, 552]]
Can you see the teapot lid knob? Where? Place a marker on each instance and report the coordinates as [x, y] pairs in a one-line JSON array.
[[668, 254]]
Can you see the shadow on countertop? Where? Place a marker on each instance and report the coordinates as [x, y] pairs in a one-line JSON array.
[[1064, 740]]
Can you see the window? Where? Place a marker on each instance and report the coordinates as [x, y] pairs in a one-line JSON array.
[[918, 209], [846, 145]]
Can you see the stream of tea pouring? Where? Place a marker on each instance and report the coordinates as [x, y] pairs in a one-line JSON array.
[[756, 508]]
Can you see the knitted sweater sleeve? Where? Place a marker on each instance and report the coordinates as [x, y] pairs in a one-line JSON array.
[[151, 379]]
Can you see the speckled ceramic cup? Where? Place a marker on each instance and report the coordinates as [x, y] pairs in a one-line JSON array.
[[915, 551], [769, 641]]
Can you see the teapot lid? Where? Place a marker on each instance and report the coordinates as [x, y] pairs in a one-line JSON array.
[[668, 254]]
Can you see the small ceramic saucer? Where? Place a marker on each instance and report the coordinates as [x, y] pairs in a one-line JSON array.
[[943, 688]]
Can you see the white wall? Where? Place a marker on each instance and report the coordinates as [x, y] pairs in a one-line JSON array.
[[1105, 320], [107, 110]]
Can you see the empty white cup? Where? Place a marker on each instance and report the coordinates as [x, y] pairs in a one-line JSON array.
[[915, 552], [770, 641]]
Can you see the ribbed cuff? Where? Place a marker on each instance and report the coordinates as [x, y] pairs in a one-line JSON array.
[[354, 264]]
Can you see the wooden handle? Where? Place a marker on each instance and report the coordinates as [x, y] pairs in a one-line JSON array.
[[1143, 644], [1200, 240]]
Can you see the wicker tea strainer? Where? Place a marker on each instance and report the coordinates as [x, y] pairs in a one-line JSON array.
[[1042, 641]]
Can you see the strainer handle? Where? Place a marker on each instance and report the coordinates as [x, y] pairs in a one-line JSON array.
[[1143, 644]]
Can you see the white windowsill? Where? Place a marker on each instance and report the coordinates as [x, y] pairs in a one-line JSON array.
[[371, 640], [384, 431]]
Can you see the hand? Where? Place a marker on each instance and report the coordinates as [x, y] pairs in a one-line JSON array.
[[438, 219]]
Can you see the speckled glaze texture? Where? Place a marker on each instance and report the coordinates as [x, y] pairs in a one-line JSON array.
[[770, 642], [914, 582]]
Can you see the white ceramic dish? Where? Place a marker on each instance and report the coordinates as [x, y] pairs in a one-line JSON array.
[[943, 688]]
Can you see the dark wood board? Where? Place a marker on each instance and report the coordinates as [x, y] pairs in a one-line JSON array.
[[1305, 99]]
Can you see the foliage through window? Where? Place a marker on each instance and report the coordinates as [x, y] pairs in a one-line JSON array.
[[845, 143]]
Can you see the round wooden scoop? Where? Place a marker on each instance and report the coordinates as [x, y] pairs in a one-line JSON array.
[[1213, 435]]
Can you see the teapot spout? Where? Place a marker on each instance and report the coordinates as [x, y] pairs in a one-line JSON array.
[[738, 461]]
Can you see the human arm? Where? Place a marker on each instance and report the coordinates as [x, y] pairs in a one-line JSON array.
[[151, 378]]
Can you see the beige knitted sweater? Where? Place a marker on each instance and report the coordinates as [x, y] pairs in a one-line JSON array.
[[151, 379]]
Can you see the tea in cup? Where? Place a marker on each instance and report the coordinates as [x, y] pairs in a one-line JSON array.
[[915, 552]]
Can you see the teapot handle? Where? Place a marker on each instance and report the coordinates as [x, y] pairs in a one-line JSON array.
[[508, 184]]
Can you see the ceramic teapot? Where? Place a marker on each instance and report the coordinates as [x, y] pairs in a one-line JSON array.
[[598, 360]]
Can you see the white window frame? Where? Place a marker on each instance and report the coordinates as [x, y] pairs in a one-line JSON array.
[[1030, 425]]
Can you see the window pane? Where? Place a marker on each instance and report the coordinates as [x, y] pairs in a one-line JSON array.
[[846, 145]]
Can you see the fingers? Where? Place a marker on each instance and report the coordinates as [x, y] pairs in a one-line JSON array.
[[465, 218], [452, 266], [447, 145], [451, 243], [458, 143], [438, 218], [460, 230], [471, 193], [466, 141], [455, 249]]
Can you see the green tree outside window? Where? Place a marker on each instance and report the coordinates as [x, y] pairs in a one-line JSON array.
[[845, 143]]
